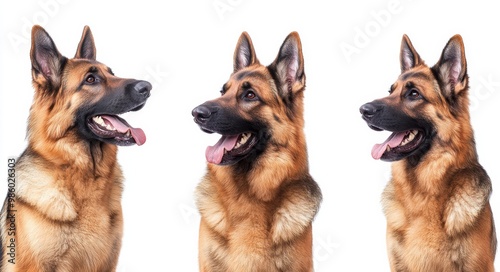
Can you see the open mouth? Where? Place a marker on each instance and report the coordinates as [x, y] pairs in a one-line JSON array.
[[231, 148], [116, 129], [398, 145]]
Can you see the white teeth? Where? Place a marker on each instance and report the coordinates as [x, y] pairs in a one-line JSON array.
[[128, 133], [98, 119], [410, 137], [243, 139], [388, 148]]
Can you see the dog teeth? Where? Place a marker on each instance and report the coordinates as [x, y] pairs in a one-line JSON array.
[[98, 120], [243, 139], [128, 133], [410, 137]]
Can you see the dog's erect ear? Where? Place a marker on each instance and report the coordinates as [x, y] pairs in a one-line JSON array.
[[46, 61], [408, 56], [244, 54], [86, 47], [289, 65], [452, 67]]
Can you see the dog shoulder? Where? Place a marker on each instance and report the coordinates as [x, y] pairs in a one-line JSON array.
[[300, 202], [393, 209], [38, 188], [210, 207], [467, 200]]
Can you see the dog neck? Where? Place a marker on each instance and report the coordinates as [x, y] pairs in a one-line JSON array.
[[259, 181], [94, 158], [438, 164]]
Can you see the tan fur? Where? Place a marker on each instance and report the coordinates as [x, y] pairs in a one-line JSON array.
[[68, 215], [260, 220], [438, 212]]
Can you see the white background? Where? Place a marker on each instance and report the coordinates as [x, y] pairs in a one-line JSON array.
[[185, 48]]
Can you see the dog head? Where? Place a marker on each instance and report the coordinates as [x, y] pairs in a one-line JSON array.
[[255, 104], [425, 102], [82, 94]]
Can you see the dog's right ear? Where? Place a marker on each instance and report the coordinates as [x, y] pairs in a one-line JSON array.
[[409, 57], [244, 54], [46, 61]]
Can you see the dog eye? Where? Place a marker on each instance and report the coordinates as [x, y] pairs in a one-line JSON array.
[[90, 79], [250, 95], [413, 94]]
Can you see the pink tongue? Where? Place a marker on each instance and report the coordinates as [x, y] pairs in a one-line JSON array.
[[214, 153], [137, 133], [394, 140]]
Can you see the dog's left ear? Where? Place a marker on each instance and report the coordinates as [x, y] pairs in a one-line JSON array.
[[289, 65], [452, 67], [86, 47]]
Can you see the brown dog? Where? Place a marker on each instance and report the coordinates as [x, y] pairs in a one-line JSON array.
[[63, 210], [257, 200], [437, 203]]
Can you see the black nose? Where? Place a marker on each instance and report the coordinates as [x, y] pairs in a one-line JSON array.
[[368, 110], [142, 88], [201, 114]]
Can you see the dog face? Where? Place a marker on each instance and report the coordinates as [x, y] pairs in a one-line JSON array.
[[256, 103], [83, 94], [424, 103]]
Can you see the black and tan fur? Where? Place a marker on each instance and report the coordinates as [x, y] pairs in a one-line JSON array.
[[68, 183], [437, 202], [258, 202]]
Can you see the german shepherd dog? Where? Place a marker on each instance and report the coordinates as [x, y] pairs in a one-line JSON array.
[[257, 200], [437, 202], [64, 213]]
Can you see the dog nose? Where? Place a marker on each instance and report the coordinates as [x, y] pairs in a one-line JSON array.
[[368, 110], [201, 113], [143, 88]]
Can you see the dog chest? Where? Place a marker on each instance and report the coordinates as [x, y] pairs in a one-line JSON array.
[[242, 233]]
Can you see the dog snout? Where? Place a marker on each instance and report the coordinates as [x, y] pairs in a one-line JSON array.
[[368, 110], [142, 88], [201, 114]]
